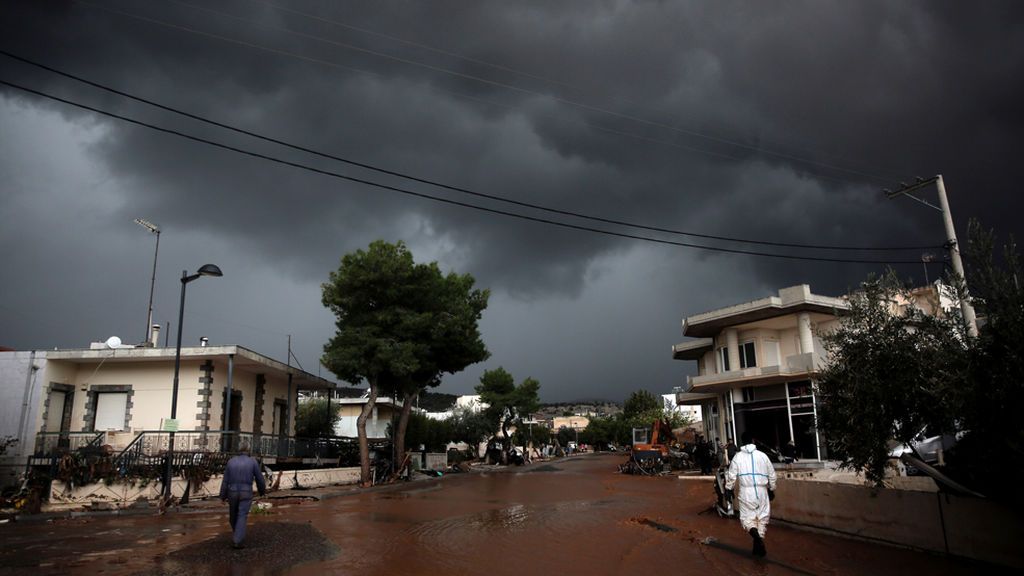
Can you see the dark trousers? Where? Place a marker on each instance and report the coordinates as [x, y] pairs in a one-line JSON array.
[[239, 502]]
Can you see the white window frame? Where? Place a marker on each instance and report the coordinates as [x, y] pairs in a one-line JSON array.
[[743, 354], [110, 418], [722, 354]]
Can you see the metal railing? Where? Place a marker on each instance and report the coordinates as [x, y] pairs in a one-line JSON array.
[[57, 443]]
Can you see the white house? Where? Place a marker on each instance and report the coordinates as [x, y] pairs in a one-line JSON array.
[[54, 400], [385, 412], [755, 362], [688, 411]]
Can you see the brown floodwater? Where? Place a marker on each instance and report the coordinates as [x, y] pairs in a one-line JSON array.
[[575, 516]]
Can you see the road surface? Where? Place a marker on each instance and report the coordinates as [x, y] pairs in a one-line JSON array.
[[570, 516]]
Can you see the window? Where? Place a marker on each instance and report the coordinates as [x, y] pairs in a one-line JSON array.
[[723, 359], [747, 357], [111, 408]]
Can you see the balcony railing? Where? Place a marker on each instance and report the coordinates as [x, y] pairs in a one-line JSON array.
[[794, 365], [146, 454], [57, 443]]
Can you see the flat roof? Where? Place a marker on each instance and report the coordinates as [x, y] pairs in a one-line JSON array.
[[243, 357], [692, 350], [790, 300]]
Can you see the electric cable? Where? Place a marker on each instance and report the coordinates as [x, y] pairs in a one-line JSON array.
[[440, 184], [423, 195]]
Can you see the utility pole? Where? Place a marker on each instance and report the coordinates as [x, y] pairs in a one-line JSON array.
[[951, 243]]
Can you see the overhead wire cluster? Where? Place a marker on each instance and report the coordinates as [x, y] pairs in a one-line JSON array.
[[548, 215]]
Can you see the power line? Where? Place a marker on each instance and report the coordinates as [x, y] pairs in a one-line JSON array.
[[438, 198], [440, 184], [561, 100]]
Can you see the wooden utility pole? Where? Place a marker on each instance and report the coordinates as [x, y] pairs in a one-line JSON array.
[[951, 243]]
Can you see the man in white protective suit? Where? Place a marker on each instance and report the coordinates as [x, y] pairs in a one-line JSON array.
[[755, 474]]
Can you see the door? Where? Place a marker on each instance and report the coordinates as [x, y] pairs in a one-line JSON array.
[[58, 418], [231, 420]]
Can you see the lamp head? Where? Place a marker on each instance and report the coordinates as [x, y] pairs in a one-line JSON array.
[[210, 270]]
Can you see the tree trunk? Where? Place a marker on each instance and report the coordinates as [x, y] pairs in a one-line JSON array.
[[364, 445], [505, 443], [403, 424]]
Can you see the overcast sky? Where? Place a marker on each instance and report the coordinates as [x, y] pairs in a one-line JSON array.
[[771, 121]]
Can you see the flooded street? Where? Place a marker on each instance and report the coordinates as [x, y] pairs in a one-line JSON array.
[[574, 516]]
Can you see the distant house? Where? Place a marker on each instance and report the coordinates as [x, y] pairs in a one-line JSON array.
[[470, 402], [385, 412], [60, 400], [688, 411], [570, 422]]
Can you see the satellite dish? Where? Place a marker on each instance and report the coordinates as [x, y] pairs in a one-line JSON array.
[[113, 342]]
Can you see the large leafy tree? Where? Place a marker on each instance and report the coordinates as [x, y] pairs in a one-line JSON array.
[[891, 374], [507, 403], [372, 295], [450, 336]]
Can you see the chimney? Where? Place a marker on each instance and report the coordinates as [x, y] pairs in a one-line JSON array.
[[203, 341], [154, 337]]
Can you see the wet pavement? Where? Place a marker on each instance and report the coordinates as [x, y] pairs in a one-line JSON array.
[[574, 516]]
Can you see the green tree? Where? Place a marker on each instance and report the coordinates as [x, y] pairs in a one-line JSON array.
[[432, 434], [470, 426], [641, 403], [890, 375], [990, 405], [377, 328], [449, 335], [313, 420], [506, 402]]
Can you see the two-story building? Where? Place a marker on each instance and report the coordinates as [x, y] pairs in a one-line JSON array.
[[755, 362]]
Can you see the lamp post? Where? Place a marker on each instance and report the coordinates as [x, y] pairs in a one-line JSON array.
[[154, 229], [204, 270]]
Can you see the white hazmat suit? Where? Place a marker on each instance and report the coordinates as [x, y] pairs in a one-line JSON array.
[[756, 475]]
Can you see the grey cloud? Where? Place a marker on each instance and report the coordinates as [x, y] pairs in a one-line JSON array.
[[769, 120]]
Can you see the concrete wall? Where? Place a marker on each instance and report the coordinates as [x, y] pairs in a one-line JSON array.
[[120, 493], [969, 527]]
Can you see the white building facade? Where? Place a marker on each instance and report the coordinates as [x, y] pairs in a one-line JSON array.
[[59, 400], [755, 364]]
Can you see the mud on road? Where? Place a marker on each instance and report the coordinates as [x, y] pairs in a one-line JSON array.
[[573, 516]]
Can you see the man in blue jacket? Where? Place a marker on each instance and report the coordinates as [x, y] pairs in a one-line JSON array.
[[236, 490]]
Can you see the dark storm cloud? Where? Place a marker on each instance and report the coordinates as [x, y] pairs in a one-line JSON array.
[[764, 120]]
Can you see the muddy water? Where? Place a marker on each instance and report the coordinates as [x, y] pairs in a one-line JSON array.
[[573, 516]]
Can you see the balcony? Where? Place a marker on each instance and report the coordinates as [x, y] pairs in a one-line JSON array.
[[795, 366]]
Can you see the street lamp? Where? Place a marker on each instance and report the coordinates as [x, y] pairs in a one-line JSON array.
[[204, 270], [154, 229]]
